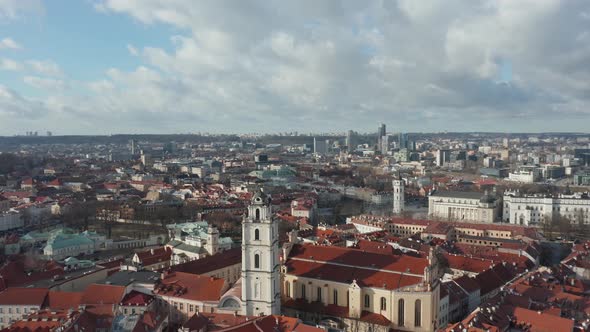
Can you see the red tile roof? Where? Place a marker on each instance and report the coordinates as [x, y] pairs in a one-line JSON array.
[[44, 320], [23, 296], [135, 298], [542, 323], [210, 263], [63, 300], [154, 256], [470, 264], [103, 294], [272, 323], [359, 258], [191, 287]]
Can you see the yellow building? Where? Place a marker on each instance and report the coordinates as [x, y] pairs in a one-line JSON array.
[[354, 290]]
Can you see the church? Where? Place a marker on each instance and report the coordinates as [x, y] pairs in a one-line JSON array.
[[344, 289]]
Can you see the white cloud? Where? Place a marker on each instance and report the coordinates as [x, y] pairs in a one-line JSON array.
[[317, 65], [46, 67], [9, 64], [44, 83], [132, 50], [13, 9], [9, 43]]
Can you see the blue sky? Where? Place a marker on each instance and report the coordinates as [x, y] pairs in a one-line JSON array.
[[172, 66]]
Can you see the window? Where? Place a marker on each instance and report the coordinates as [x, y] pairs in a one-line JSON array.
[[181, 306], [418, 313], [400, 312], [256, 234], [257, 261], [191, 308], [319, 295], [383, 304], [133, 310], [125, 311], [335, 297], [303, 291], [367, 300], [288, 289], [257, 214]]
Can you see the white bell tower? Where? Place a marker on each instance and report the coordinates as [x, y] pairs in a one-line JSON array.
[[260, 259], [398, 195]]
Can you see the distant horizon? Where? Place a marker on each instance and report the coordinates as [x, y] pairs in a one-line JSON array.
[[339, 133], [115, 66]]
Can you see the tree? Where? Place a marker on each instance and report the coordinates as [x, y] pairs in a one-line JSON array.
[[79, 213]]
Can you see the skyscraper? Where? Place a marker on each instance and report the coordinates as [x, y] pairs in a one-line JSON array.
[[320, 146], [443, 156], [382, 130], [384, 144], [349, 140], [403, 141], [380, 133]]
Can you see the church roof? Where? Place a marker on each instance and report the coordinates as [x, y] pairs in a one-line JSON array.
[[369, 269]]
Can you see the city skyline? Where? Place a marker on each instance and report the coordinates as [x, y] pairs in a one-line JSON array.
[[162, 67]]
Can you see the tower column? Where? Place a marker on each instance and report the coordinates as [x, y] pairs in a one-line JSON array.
[[261, 287]]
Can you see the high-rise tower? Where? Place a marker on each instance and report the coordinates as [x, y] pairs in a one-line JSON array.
[[260, 259]]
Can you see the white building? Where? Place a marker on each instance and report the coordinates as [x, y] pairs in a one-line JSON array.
[[16, 303], [463, 206], [398, 196], [195, 240], [527, 210], [261, 291], [525, 174]]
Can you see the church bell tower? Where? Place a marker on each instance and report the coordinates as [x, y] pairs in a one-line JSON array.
[[398, 195], [260, 259]]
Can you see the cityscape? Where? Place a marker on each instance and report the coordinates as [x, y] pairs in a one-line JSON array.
[[280, 166]]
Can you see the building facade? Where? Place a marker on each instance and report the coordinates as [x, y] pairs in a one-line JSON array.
[[260, 259], [528, 210], [398, 196], [353, 290], [463, 206]]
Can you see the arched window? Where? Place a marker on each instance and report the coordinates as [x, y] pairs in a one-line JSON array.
[[418, 313], [319, 295], [383, 304], [335, 296], [367, 300], [257, 261], [257, 214], [303, 291], [288, 288], [257, 234], [400, 312]]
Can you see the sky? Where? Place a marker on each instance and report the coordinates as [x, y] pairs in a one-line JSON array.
[[268, 66]]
